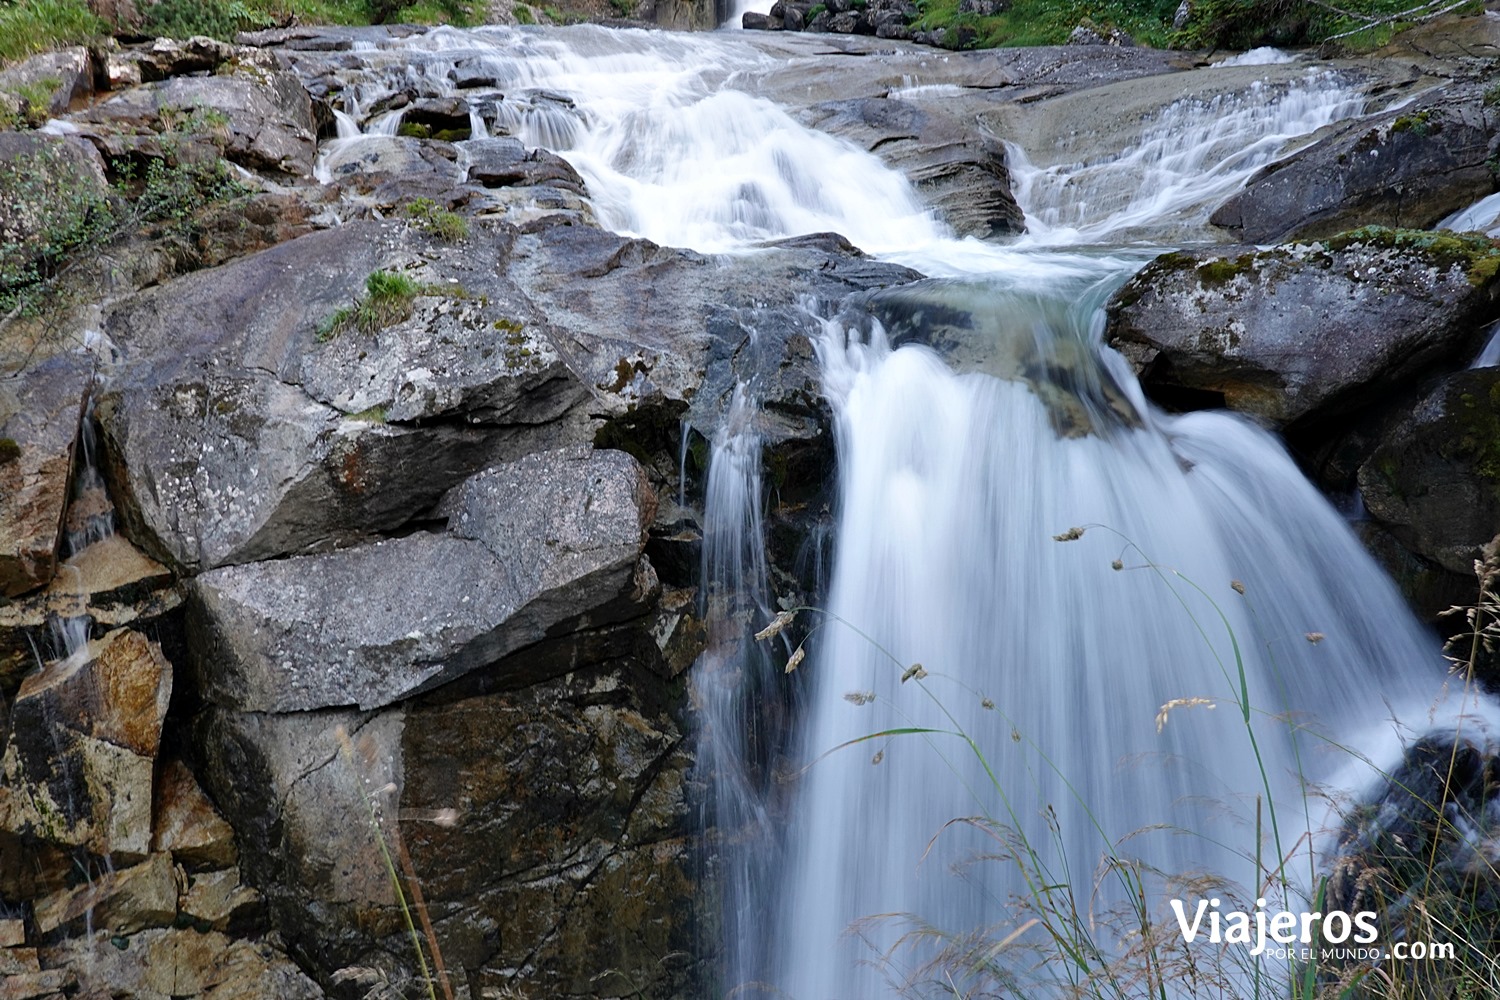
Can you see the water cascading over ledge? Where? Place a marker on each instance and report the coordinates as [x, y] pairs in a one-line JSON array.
[[953, 485]]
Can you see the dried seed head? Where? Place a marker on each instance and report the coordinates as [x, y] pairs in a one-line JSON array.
[[795, 660], [778, 624], [1118, 564], [988, 703], [859, 697], [1161, 716], [916, 670], [1071, 535], [879, 756], [1239, 588], [1315, 637]]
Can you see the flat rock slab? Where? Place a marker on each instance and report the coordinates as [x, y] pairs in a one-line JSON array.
[[530, 545], [1305, 329]]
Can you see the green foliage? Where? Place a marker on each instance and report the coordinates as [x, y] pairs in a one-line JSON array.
[[624, 8], [431, 218], [388, 299], [524, 14], [1049, 22], [9, 450], [55, 211], [1355, 24], [28, 26], [815, 10], [32, 101], [220, 19]]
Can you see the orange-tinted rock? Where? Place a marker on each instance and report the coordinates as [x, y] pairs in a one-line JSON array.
[[187, 825]]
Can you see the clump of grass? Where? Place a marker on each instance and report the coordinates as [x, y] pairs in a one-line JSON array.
[[221, 19], [524, 14], [29, 26], [388, 299], [430, 217], [32, 103]]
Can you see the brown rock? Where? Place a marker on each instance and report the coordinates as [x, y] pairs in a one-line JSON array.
[[12, 933], [175, 962], [187, 824], [19, 961], [39, 413], [35, 984], [218, 900], [122, 902], [119, 693]]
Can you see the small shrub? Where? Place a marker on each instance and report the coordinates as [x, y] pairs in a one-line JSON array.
[[624, 8], [220, 19], [524, 14], [447, 226]]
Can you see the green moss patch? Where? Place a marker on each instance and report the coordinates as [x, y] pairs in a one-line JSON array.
[[1477, 254]]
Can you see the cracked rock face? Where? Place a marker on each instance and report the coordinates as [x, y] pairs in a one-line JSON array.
[[531, 545]]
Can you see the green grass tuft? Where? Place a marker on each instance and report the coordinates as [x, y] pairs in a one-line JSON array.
[[30, 26]]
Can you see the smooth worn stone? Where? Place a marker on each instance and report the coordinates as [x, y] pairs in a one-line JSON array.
[[1434, 480], [1405, 168]]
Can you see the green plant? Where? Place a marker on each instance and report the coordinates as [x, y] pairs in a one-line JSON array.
[[524, 14], [388, 299], [32, 104], [28, 26], [431, 218], [55, 211], [220, 19], [623, 8]]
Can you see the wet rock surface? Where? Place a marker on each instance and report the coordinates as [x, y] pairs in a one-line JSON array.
[[1408, 168]]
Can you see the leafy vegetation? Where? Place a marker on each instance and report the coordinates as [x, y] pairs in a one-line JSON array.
[[31, 104], [224, 18], [28, 26]]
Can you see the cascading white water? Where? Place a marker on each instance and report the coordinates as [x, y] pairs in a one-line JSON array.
[[1055, 661]]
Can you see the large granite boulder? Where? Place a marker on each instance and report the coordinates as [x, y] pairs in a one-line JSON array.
[[1405, 168], [261, 116], [1302, 330]]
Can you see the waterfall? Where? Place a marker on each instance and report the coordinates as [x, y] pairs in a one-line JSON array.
[[1189, 684], [729, 684]]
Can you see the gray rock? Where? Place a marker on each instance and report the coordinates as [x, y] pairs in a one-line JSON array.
[[752, 21], [962, 174], [1303, 330], [67, 73], [534, 816], [395, 169], [1435, 480], [557, 535], [268, 115], [236, 434], [1402, 168], [39, 413], [505, 162]]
